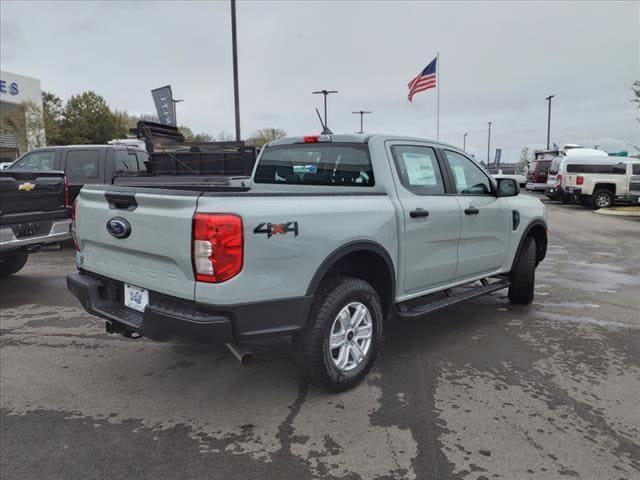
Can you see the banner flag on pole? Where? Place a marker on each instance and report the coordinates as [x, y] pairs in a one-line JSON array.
[[163, 99]]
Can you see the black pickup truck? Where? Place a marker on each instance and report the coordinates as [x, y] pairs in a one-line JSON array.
[[167, 158], [33, 212]]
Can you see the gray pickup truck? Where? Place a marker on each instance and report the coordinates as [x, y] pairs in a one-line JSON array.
[[329, 236]]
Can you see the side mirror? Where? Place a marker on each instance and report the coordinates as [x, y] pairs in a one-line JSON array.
[[508, 187]]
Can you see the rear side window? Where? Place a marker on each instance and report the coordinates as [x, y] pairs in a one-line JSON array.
[[36, 161], [340, 164], [126, 162], [555, 167], [613, 169], [418, 169], [83, 163], [636, 168]]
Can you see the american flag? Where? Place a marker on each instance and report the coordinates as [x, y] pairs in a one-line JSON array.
[[424, 80]]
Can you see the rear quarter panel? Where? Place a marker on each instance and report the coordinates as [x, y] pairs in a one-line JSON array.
[[282, 265]]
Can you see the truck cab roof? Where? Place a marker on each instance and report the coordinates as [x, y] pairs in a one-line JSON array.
[[356, 138]]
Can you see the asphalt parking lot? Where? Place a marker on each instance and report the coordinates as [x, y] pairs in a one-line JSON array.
[[480, 391]]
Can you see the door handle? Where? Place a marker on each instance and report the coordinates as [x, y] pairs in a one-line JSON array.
[[418, 212], [471, 211]]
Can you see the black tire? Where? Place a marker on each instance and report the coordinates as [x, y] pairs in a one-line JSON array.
[[13, 263], [601, 199], [523, 275], [312, 350]]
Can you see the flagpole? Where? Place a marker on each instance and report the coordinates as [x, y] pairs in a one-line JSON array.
[[438, 105]]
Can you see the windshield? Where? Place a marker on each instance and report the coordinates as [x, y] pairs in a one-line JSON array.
[[342, 164]]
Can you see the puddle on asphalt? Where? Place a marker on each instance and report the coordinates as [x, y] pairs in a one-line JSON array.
[[556, 317]]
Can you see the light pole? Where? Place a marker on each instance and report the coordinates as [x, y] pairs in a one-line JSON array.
[[489, 144], [325, 93], [362, 113], [236, 91], [549, 120], [464, 142]]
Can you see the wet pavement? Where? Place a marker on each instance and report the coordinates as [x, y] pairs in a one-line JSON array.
[[480, 391]]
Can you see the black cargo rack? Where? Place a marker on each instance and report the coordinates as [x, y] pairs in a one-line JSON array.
[[171, 155]]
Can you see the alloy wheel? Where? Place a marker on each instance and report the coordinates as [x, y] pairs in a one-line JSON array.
[[350, 337]]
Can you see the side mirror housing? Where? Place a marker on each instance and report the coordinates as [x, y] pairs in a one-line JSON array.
[[508, 187]]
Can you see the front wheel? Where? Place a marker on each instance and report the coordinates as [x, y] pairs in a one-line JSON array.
[[343, 334], [523, 275]]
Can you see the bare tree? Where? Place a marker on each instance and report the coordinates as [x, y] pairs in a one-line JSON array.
[[265, 135]]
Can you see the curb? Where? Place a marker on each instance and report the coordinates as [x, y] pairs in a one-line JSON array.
[[620, 212]]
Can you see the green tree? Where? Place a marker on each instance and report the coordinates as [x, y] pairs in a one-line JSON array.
[[53, 114], [189, 136], [88, 119], [263, 136]]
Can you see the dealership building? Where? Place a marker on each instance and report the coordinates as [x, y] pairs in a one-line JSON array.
[[21, 124]]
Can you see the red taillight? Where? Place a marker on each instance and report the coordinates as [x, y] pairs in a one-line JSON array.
[[218, 245], [311, 139], [66, 192], [559, 182], [579, 180], [73, 225]]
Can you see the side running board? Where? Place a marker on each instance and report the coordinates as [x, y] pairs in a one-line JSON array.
[[430, 303]]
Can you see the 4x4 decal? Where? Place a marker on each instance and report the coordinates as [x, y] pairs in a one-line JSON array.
[[272, 229]]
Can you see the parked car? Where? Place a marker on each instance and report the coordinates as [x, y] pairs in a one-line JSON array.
[[557, 170], [601, 184], [34, 213], [537, 176], [509, 172], [329, 236], [85, 164]]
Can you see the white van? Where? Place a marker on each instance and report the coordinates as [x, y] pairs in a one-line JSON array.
[[558, 169]]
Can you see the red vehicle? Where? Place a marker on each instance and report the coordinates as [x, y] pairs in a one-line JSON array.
[[537, 176]]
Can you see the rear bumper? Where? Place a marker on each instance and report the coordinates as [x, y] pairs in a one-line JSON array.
[[59, 232], [536, 186], [167, 318]]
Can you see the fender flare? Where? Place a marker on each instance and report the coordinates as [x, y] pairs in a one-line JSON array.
[[524, 235], [342, 251]]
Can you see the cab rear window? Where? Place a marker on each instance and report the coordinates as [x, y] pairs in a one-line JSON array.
[[339, 164]]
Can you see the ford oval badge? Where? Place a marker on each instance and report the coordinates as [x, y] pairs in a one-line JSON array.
[[119, 227]]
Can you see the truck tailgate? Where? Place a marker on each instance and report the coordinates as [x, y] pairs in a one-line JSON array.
[[33, 192], [157, 253]]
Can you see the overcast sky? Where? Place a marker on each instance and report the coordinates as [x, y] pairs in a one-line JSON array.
[[498, 62]]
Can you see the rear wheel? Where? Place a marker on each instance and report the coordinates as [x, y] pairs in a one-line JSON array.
[[12, 263], [523, 275], [601, 199], [343, 334]]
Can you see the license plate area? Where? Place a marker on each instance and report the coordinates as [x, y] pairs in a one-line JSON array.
[[31, 229], [136, 298]]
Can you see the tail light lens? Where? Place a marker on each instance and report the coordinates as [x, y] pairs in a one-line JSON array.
[[218, 247], [66, 193], [73, 225], [579, 180], [559, 182]]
